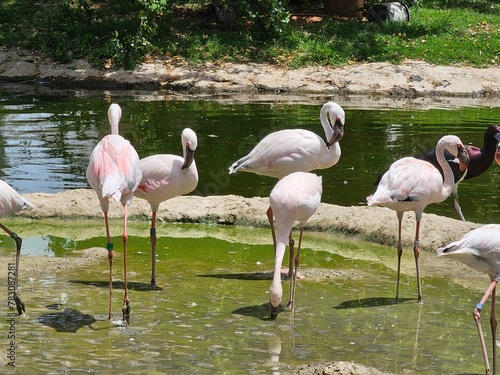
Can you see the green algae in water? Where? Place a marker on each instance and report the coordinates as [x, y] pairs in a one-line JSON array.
[[210, 311]]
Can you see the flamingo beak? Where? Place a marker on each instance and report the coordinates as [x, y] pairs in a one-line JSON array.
[[275, 310], [189, 158], [338, 132], [497, 152], [463, 158]]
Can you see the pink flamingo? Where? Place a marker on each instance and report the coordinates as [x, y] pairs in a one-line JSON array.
[[480, 160], [292, 150], [411, 184], [480, 249], [10, 203], [165, 177], [114, 172], [295, 197]]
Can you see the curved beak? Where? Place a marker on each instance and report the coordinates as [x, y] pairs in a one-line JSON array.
[[274, 311], [189, 158], [338, 132], [497, 152], [463, 158]]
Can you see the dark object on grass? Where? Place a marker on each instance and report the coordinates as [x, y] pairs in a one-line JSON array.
[[393, 11]]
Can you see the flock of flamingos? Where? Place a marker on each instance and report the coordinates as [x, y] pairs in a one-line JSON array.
[[410, 184]]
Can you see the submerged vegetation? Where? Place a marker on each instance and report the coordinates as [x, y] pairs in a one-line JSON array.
[[112, 33]]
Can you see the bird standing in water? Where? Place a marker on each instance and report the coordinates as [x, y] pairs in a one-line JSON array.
[[411, 184], [10, 203], [480, 160], [295, 197], [291, 150], [164, 177], [114, 172], [480, 249]]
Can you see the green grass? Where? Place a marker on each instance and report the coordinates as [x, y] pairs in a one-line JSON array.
[[121, 33]]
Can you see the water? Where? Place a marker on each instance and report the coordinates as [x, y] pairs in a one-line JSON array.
[[46, 141], [211, 310], [210, 313]]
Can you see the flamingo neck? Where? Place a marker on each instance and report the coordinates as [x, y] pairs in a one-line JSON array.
[[276, 290], [448, 178], [325, 122]]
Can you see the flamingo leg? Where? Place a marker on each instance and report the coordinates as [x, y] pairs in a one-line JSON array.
[[477, 318], [17, 299], [493, 324], [400, 252], [416, 253], [294, 281], [291, 244], [153, 249], [270, 217], [126, 301], [109, 247], [457, 205]]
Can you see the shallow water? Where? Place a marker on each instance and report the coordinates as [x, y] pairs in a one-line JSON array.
[[211, 310], [210, 313]]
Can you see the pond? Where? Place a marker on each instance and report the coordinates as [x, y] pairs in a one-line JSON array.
[[46, 141], [210, 313], [211, 310]]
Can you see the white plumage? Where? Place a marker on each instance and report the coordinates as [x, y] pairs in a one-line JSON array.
[[295, 198], [480, 249], [164, 177], [411, 184]]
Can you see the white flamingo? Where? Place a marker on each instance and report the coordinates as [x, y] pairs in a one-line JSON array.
[[164, 177], [480, 249], [411, 184], [295, 197], [113, 172], [291, 150], [10, 203]]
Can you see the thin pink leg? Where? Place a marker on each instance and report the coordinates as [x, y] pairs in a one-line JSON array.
[[291, 245], [416, 253], [400, 252], [493, 324], [109, 247], [126, 301], [152, 234], [270, 217], [17, 299], [477, 318], [294, 281]]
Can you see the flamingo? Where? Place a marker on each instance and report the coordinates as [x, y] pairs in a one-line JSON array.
[[480, 161], [11, 202], [295, 197], [411, 184], [286, 151], [114, 172], [165, 177], [480, 249]]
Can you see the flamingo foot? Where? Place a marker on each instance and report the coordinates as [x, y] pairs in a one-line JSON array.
[[126, 311], [19, 304]]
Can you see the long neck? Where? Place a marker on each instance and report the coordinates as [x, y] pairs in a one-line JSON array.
[[448, 179], [325, 122]]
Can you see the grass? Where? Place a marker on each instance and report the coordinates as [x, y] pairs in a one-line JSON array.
[[112, 33]]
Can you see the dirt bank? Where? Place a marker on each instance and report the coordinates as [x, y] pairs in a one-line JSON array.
[[410, 79]]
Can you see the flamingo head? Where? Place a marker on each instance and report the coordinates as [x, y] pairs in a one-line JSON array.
[[190, 143], [338, 131], [463, 157], [497, 152]]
